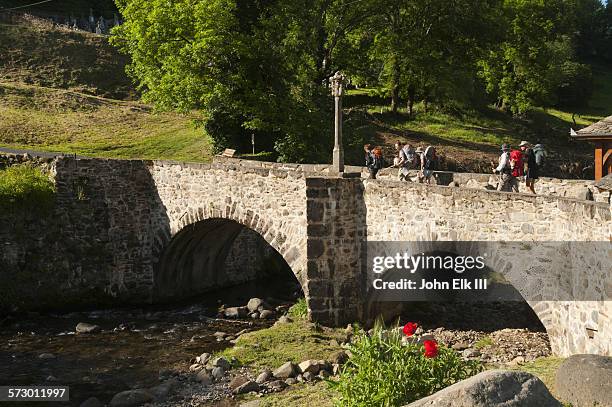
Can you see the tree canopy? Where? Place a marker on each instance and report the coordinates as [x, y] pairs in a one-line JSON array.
[[261, 67]]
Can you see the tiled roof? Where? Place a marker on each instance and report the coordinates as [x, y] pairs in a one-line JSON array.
[[601, 128]]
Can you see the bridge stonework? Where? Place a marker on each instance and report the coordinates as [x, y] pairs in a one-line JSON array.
[[131, 231]]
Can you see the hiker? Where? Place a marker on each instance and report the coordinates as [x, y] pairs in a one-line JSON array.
[[507, 182], [429, 161], [407, 159], [531, 166], [373, 159], [419, 158]]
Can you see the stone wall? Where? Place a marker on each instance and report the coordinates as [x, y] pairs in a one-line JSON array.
[[442, 213]]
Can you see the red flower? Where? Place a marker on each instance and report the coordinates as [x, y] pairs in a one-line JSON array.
[[410, 328], [431, 348]]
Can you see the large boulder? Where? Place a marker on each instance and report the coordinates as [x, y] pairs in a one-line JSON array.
[[493, 388], [254, 304], [85, 328], [585, 380]]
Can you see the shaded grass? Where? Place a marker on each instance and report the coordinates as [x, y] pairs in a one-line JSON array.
[[72, 122], [295, 341], [319, 394]]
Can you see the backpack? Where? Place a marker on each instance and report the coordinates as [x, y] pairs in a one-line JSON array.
[[516, 163], [540, 155], [410, 156], [379, 161], [430, 158]]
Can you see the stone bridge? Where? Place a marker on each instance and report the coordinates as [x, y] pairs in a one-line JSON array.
[[145, 231]]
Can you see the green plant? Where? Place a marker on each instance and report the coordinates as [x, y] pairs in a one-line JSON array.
[[299, 310], [483, 342], [384, 371], [25, 187]]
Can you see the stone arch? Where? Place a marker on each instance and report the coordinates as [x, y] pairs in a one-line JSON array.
[[216, 229]]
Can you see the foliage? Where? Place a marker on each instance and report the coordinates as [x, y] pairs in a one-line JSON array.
[[24, 187], [384, 372], [299, 310]]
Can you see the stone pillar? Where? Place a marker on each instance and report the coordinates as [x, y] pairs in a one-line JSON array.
[[336, 228], [338, 154]]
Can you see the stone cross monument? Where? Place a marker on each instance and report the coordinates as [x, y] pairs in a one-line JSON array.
[[337, 82]]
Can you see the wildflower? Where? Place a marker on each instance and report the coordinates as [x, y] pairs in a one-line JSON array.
[[410, 328], [431, 348]]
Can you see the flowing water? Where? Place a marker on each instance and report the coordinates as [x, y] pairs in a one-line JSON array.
[[131, 349]]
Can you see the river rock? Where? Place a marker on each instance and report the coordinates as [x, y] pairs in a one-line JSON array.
[[237, 381], [46, 356], [131, 398], [340, 357], [284, 320], [308, 376], [204, 377], [218, 372], [221, 362], [236, 312], [162, 390], [584, 380], [247, 387], [493, 388], [255, 315], [92, 402], [85, 328], [204, 358], [264, 376], [266, 314], [311, 366], [287, 370], [323, 374], [254, 304], [277, 385], [460, 346], [291, 381]]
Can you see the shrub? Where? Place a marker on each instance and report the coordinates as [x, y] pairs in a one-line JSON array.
[[299, 310], [25, 187], [385, 371]]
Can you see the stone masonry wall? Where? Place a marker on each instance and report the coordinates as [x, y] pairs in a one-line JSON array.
[[445, 213]]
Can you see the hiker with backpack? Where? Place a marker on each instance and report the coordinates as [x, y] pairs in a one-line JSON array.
[[516, 167], [429, 161], [540, 154], [407, 160], [531, 166], [373, 160], [507, 182]]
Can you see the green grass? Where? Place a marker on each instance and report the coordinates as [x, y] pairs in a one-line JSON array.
[[68, 121], [295, 341], [483, 342], [545, 369], [24, 187], [299, 310]]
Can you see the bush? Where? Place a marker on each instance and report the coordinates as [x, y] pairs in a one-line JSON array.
[[383, 371], [299, 310], [25, 187]]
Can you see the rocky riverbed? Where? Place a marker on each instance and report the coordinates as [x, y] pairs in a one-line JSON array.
[[166, 357]]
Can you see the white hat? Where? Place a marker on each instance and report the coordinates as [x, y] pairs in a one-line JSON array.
[[523, 143]]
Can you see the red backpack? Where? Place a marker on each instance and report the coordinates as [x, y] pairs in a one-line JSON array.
[[516, 163]]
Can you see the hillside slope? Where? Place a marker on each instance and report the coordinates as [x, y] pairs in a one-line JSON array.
[[67, 91]]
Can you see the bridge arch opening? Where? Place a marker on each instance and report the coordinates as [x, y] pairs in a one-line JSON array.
[[222, 255]]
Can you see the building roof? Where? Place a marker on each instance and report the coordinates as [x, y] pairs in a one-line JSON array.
[[605, 183], [601, 129]]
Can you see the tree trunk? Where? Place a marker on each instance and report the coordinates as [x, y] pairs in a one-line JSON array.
[[395, 78], [411, 96]]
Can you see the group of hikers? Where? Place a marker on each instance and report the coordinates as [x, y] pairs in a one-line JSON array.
[[406, 159], [516, 164], [513, 164]]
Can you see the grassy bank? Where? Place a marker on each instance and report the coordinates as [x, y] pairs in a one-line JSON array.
[[25, 188], [68, 121]]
